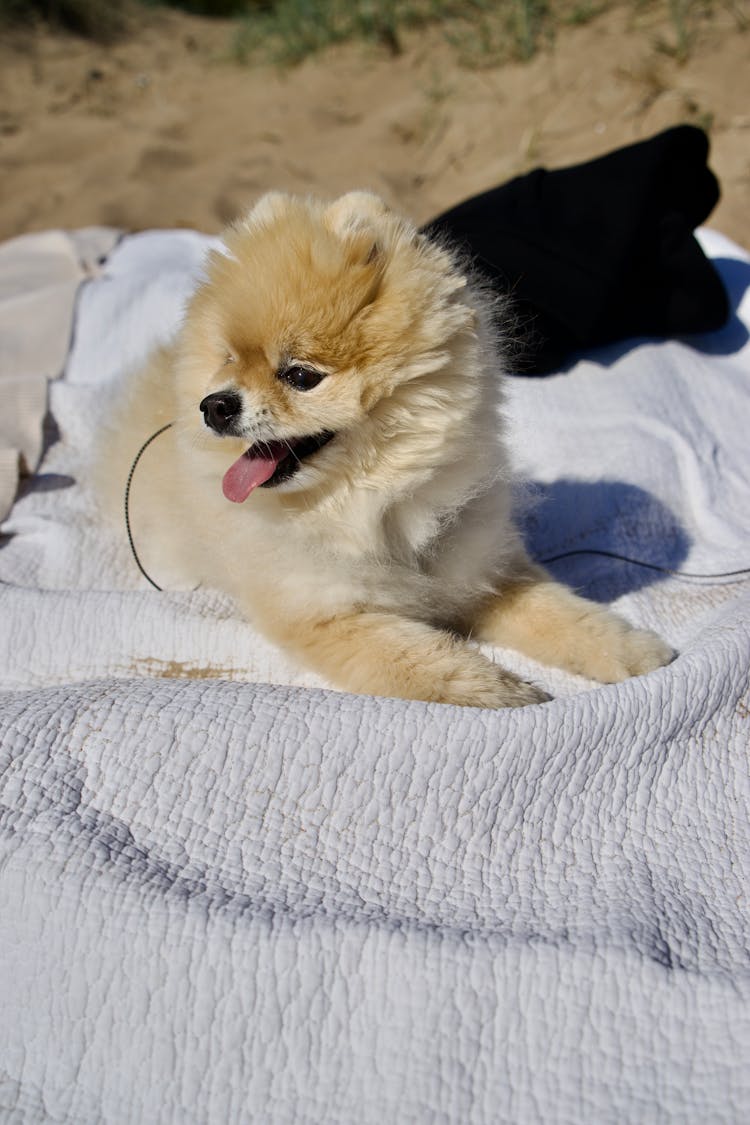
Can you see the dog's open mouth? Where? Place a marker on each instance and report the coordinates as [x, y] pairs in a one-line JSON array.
[[268, 463]]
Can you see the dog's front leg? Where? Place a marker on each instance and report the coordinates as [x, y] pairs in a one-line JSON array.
[[536, 615], [379, 653]]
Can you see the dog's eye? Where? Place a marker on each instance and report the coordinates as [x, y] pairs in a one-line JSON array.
[[301, 378]]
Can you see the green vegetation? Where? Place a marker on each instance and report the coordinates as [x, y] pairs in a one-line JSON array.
[[484, 32]]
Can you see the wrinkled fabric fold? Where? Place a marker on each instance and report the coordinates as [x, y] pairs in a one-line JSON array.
[[39, 279]]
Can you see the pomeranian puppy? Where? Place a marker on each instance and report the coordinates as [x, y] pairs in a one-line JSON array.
[[337, 465]]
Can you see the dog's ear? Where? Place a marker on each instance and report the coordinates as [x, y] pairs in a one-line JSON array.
[[361, 220], [354, 211], [268, 208]]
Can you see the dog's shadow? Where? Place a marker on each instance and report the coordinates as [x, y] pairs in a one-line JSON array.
[[608, 515]]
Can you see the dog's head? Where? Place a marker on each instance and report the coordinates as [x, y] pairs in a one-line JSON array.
[[318, 333]]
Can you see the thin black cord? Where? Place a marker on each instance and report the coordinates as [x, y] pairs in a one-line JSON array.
[[737, 575], [650, 566], [138, 455]]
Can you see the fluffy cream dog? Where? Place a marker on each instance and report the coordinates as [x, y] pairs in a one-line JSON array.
[[337, 464]]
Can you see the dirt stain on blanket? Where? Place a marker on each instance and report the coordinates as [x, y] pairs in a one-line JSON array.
[[182, 670]]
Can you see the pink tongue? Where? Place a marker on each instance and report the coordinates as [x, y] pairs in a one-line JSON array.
[[246, 474]]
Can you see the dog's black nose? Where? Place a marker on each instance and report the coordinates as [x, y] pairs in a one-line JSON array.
[[220, 410]]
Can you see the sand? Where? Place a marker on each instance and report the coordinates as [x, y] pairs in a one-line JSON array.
[[164, 129]]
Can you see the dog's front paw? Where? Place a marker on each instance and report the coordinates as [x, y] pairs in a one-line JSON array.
[[530, 693], [626, 652], [642, 651], [490, 686]]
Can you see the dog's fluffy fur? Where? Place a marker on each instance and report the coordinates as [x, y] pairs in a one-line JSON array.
[[392, 543]]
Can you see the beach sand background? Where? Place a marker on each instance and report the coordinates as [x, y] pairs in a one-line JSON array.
[[165, 129]]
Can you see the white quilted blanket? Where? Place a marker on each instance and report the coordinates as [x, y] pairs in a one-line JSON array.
[[243, 897]]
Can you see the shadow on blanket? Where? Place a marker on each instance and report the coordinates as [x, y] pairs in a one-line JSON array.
[[607, 515], [734, 335], [45, 482]]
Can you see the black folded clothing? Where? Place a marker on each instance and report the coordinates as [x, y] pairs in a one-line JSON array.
[[601, 251]]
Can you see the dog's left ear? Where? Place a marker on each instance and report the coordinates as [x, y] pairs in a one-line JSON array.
[[360, 218], [355, 210]]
